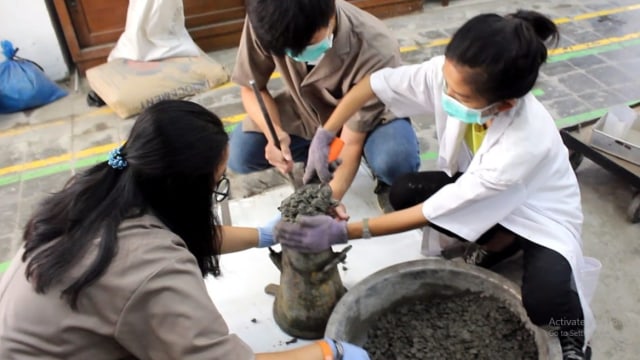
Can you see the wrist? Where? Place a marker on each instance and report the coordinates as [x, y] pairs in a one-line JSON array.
[[327, 350], [281, 134], [265, 237], [337, 189], [331, 126], [331, 349], [328, 130], [265, 232], [327, 135]]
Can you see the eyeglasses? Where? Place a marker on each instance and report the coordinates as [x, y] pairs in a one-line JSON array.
[[222, 189]]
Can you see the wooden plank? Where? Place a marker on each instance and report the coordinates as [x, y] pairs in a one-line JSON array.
[[105, 20], [67, 27]]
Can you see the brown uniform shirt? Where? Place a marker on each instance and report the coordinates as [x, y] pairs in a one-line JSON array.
[[150, 304], [361, 45]]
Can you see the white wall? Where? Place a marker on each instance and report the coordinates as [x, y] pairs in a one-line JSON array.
[[27, 24]]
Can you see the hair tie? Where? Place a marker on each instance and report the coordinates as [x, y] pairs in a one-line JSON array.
[[116, 160]]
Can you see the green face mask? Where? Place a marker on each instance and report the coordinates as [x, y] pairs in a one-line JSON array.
[[313, 52]]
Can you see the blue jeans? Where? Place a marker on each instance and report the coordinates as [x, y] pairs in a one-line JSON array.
[[246, 150], [390, 150]]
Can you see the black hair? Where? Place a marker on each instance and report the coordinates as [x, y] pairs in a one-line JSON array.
[[504, 54], [173, 151], [288, 24]]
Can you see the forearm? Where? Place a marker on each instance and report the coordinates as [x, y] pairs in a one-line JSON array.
[[392, 223], [238, 238], [353, 101], [346, 172], [252, 107], [309, 352]]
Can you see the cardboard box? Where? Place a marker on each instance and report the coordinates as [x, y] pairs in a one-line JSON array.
[[618, 133], [128, 87]]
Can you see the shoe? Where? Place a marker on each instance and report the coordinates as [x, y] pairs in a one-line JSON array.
[[477, 255], [93, 99], [382, 192], [572, 348]]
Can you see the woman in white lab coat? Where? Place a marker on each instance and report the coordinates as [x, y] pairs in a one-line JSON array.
[[507, 180]]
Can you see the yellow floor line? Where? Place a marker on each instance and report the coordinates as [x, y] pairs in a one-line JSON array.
[[95, 150], [433, 43], [596, 14], [445, 41], [36, 164], [234, 118], [21, 130], [593, 44], [26, 128], [238, 117]]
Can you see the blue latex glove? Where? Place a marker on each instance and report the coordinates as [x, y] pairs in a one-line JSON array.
[[311, 233], [349, 351], [265, 232], [318, 158]]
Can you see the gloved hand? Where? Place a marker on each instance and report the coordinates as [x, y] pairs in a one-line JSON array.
[[265, 232], [348, 351], [318, 158], [311, 233]]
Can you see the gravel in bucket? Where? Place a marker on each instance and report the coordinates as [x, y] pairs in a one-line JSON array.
[[465, 326]]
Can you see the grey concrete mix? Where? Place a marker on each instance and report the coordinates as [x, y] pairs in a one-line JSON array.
[[567, 86]]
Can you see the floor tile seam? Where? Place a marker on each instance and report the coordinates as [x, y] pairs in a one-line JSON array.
[[430, 44]]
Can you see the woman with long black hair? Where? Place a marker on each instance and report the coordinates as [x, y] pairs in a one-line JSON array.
[[112, 265]]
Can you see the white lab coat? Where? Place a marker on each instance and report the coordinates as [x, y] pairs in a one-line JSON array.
[[520, 177]]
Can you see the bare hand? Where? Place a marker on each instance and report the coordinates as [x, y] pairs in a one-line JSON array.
[[339, 212], [280, 159]]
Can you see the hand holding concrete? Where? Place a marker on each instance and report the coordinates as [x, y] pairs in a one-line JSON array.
[[318, 158], [311, 233], [339, 212], [265, 232]]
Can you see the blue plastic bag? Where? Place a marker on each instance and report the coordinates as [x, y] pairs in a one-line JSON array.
[[23, 84]]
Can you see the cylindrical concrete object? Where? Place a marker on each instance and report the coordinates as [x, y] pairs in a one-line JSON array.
[[420, 279]]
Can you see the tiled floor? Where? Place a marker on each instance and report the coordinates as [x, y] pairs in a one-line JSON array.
[[596, 65]]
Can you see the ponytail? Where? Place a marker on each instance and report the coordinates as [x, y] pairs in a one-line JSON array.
[[166, 168], [504, 53], [545, 28]]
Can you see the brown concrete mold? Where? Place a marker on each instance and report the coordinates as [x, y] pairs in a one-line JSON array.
[[310, 284]]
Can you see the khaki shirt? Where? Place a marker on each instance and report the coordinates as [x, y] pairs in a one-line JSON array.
[[150, 304], [361, 45]]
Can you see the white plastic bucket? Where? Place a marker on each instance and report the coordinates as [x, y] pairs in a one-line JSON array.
[[619, 120], [590, 273]]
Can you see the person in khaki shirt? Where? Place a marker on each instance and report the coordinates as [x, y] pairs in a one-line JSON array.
[[112, 265], [321, 48]]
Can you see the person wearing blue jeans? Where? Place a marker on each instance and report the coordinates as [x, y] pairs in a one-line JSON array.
[[319, 58], [390, 150]]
